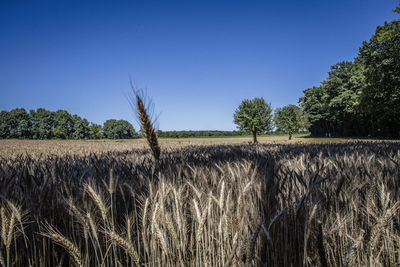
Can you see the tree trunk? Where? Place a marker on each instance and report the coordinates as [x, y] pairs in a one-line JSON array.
[[290, 136], [255, 137]]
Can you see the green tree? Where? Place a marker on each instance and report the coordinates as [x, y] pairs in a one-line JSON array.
[[4, 125], [341, 98], [42, 123], [95, 131], [290, 120], [19, 123], [45, 124], [316, 109], [360, 98], [64, 124], [380, 98], [81, 128], [254, 116], [333, 107], [118, 129]]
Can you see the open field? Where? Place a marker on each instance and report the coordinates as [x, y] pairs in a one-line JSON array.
[[107, 203], [10, 147]]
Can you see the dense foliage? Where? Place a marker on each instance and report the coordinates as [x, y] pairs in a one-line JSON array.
[[118, 129], [185, 134], [360, 98], [254, 116], [226, 205], [45, 124], [290, 120]]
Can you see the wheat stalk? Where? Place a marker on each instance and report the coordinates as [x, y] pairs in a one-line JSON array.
[[147, 126], [2, 259], [125, 244], [64, 242], [4, 226], [98, 200]]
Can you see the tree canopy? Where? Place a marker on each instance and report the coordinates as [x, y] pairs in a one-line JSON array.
[[380, 97], [333, 107], [254, 116], [201, 133], [42, 123], [289, 119], [95, 131], [45, 124], [360, 98], [118, 129]]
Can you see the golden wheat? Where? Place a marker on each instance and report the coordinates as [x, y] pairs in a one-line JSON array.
[[209, 205]]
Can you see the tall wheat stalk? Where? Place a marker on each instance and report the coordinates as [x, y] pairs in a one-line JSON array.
[[137, 103]]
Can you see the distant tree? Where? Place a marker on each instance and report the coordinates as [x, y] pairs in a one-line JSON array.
[[42, 123], [118, 129], [45, 124], [289, 119], [185, 134], [4, 125], [80, 128], [64, 124], [95, 131], [317, 110], [254, 116], [19, 123]]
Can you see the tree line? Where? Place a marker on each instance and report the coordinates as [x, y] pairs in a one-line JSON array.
[[45, 124], [360, 97], [191, 133]]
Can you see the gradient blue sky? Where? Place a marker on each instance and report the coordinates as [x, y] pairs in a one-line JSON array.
[[198, 59]]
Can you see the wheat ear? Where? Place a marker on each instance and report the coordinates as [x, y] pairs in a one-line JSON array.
[[98, 200], [125, 244], [64, 242], [148, 128], [4, 226]]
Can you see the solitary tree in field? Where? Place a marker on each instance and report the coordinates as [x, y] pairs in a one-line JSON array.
[[118, 129], [254, 116], [289, 119]]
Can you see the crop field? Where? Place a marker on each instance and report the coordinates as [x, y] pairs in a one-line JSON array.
[[206, 202], [12, 147]]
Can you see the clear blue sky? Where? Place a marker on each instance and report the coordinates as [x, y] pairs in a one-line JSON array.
[[198, 59]]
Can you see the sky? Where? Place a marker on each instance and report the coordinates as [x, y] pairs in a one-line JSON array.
[[197, 60]]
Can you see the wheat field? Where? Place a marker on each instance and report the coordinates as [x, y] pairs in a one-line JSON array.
[[10, 147], [95, 203]]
